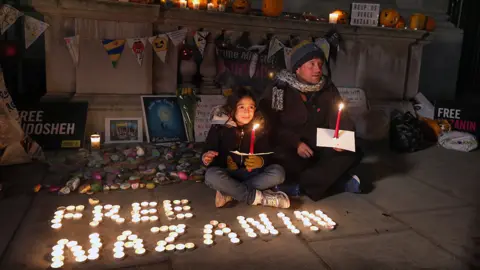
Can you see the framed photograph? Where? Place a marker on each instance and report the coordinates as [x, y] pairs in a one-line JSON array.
[[123, 130], [163, 119]]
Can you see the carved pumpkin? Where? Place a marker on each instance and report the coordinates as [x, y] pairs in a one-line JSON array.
[[215, 3], [241, 6], [400, 24], [272, 8], [430, 24], [203, 3], [418, 21], [389, 17], [342, 16]]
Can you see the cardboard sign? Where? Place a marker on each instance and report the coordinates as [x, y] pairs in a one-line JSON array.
[[203, 114], [364, 14], [56, 125], [462, 117], [345, 140]]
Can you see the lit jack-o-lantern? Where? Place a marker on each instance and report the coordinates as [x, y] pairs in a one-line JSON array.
[[241, 6], [272, 8], [203, 3], [342, 16], [389, 17]]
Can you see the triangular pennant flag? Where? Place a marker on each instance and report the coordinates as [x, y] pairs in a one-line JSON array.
[[33, 28], [114, 48], [274, 46], [72, 44], [160, 45], [137, 45], [200, 38], [8, 16], [324, 45], [178, 36], [287, 53]]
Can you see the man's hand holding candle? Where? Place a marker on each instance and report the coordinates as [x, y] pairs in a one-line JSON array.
[[208, 157]]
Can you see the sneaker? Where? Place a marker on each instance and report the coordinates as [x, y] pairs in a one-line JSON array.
[[275, 199], [353, 185], [221, 200]]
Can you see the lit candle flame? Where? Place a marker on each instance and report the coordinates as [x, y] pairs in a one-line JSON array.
[[340, 106], [255, 126]]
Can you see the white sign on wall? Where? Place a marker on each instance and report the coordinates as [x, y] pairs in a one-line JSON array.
[[203, 114], [364, 14]]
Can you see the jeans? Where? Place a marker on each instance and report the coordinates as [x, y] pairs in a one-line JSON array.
[[242, 184]]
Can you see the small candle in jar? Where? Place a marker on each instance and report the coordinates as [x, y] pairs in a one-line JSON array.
[[180, 230], [94, 235], [62, 242], [68, 216], [93, 256], [232, 235], [95, 141], [120, 220], [188, 215], [79, 208], [152, 204], [219, 232], [226, 230], [160, 248], [177, 202], [210, 6], [333, 18], [71, 208], [56, 253], [274, 232], [213, 222], [58, 258], [121, 237], [178, 208], [152, 211], [119, 255], [314, 228], [172, 228], [140, 251], [153, 218], [180, 216], [208, 242], [79, 253], [136, 220], [81, 258], [295, 231], [119, 244], [173, 234], [170, 247], [169, 239], [129, 244], [208, 231], [155, 229], [240, 218], [93, 224], [207, 236], [77, 216], [56, 226], [208, 226], [56, 220], [183, 4], [59, 212], [181, 226], [180, 247], [221, 7], [144, 212], [235, 241], [280, 215], [187, 208], [162, 243], [190, 246], [118, 249], [184, 201], [144, 204], [222, 225], [164, 228], [252, 235], [132, 237], [57, 264]]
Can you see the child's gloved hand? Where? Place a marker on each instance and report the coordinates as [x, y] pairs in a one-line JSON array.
[[231, 165], [254, 162], [208, 157]]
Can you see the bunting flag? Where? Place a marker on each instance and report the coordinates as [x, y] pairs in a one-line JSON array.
[[324, 45], [257, 50], [8, 16], [287, 53], [72, 46], [160, 45], [114, 48], [178, 36], [200, 38], [137, 45], [33, 28], [274, 46]]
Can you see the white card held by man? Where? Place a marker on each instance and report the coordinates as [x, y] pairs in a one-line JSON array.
[[337, 138]]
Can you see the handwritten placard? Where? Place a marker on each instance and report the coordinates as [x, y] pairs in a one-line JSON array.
[[364, 14], [203, 114]]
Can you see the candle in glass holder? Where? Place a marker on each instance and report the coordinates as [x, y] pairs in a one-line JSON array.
[[160, 249], [196, 4], [333, 17], [190, 246], [57, 264], [119, 255], [95, 141], [222, 7], [208, 242], [210, 6], [183, 3], [170, 247], [56, 226]]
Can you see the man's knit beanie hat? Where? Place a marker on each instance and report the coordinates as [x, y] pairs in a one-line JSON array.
[[304, 52]]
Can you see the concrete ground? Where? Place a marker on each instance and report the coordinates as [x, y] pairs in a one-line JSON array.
[[422, 214]]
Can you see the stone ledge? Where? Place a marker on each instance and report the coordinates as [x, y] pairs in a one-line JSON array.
[[102, 102], [131, 12]]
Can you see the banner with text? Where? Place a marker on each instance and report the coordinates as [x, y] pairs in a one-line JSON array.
[[462, 117], [56, 125]]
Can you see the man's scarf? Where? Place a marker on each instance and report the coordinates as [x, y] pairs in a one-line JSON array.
[[287, 79]]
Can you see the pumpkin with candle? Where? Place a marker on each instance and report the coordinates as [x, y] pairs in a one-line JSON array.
[[241, 6], [272, 8], [389, 17], [342, 16]]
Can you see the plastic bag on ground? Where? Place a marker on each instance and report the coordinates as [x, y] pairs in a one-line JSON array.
[[460, 141]]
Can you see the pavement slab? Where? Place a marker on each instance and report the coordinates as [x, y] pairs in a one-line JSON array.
[[453, 229], [400, 250], [402, 193]]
